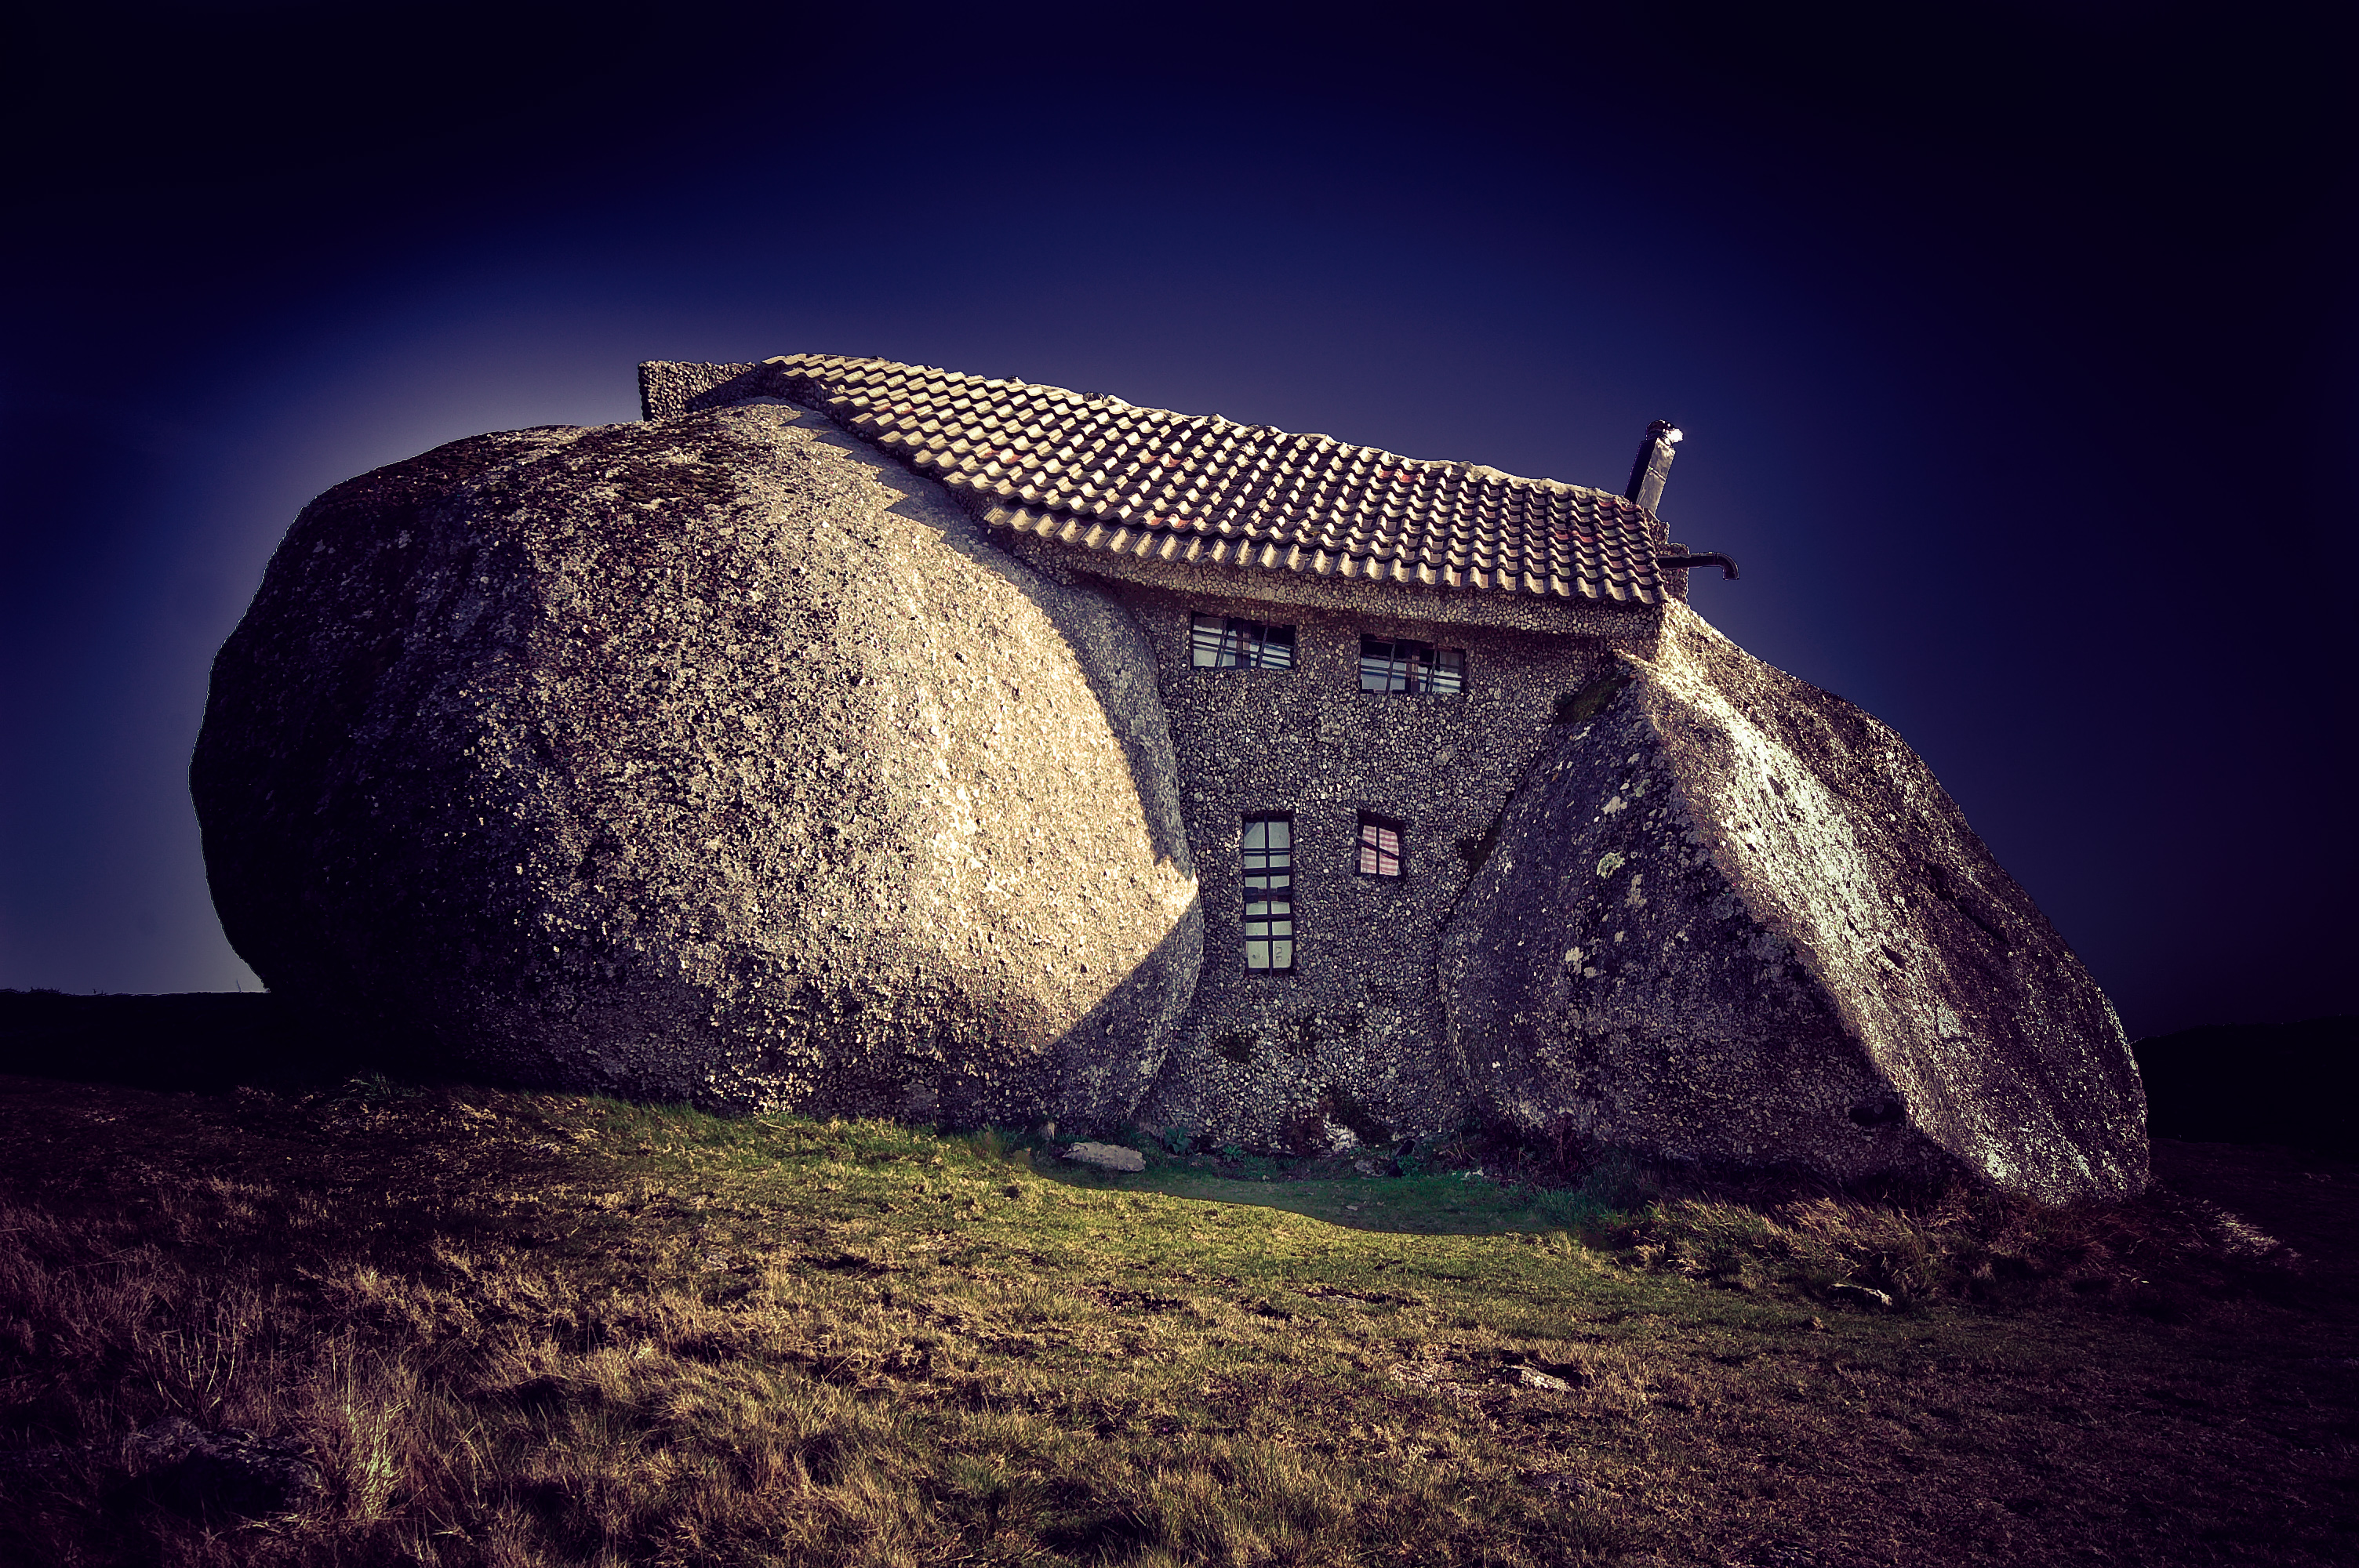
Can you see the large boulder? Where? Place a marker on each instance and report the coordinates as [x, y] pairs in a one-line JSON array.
[[1730, 918], [710, 758]]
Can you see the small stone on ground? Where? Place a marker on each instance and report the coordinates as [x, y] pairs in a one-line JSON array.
[[1106, 1156], [1860, 1295]]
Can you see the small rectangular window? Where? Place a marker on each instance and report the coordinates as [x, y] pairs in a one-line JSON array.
[[1225, 642], [1269, 855], [1413, 669], [1380, 847]]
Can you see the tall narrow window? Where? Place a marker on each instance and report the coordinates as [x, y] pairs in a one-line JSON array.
[[1414, 669], [1380, 847], [1268, 850], [1225, 642]]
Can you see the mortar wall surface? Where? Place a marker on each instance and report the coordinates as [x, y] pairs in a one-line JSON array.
[[1351, 1041]]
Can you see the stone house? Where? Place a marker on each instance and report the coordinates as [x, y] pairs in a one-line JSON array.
[[1360, 654], [862, 739]]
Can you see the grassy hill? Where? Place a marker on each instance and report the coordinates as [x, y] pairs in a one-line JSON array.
[[516, 1328]]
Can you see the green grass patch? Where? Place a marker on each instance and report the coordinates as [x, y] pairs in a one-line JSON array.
[[517, 1328]]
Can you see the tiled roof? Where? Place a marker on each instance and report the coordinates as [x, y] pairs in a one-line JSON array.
[[1095, 474]]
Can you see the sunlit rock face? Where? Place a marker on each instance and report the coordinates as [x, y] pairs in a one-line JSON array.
[[1731, 918], [711, 758]]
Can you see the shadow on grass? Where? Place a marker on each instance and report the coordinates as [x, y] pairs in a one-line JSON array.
[[1446, 1205], [1415, 1189], [213, 1043]]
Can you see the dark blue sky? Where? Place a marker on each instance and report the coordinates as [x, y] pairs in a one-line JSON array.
[[2015, 345]]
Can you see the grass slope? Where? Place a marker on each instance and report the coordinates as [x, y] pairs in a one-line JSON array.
[[535, 1329]]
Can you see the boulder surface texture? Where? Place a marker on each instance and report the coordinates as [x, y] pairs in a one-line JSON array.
[[710, 758], [1730, 918]]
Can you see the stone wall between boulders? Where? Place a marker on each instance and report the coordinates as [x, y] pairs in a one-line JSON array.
[[1349, 1045]]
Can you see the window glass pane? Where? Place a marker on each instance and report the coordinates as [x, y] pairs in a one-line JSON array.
[[1449, 671], [1399, 664], [1206, 637], [1228, 643], [1274, 646], [1267, 857]]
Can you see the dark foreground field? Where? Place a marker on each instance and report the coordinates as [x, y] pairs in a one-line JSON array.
[[512, 1328]]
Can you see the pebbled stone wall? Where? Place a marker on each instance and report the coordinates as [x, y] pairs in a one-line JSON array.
[[669, 387], [1349, 1044]]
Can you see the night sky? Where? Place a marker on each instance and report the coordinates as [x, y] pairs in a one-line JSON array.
[[2015, 347]]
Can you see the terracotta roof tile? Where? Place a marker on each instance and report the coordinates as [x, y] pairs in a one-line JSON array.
[[1096, 474]]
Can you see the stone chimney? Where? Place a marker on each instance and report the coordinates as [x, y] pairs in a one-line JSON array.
[[1654, 464]]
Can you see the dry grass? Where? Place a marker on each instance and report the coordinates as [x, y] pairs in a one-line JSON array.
[[522, 1329], [2162, 1255]]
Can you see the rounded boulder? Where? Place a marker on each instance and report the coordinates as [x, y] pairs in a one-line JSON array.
[[712, 758]]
